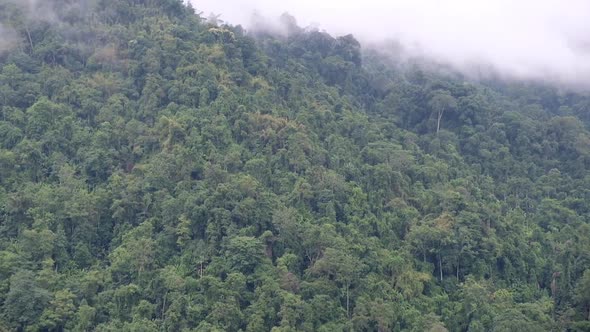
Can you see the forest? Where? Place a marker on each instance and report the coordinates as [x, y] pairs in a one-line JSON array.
[[160, 171]]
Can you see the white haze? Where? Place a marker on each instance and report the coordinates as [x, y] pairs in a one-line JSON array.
[[7, 38], [529, 39]]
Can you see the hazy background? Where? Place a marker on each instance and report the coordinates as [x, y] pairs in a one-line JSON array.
[[529, 39]]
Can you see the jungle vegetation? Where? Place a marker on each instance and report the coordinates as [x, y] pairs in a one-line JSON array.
[[164, 172]]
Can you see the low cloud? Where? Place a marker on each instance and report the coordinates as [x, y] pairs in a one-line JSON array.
[[20, 16], [8, 38], [527, 39]]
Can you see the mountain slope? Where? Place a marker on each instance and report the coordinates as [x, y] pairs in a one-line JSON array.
[[159, 172]]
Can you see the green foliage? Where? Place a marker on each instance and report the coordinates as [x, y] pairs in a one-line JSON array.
[[163, 172]]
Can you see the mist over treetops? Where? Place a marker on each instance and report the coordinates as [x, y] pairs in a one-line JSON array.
[[161, 170]]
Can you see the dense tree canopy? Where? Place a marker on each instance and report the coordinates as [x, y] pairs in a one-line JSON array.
[[163, 172]]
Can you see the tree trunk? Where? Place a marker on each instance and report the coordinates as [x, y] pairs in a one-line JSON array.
[[164, 306], [440, 267], [347, 301], [30, 39], [440, 114]]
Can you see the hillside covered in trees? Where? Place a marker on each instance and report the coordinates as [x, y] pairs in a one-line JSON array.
[[162, 172]]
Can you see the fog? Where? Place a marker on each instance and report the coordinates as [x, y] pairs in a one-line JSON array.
[[35, 11], [8, 38], [528, 39]]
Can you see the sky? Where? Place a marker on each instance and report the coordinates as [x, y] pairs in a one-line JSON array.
[[529, 39]]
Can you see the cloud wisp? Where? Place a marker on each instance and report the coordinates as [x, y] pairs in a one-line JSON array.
[[528, 39], [8, 38]]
